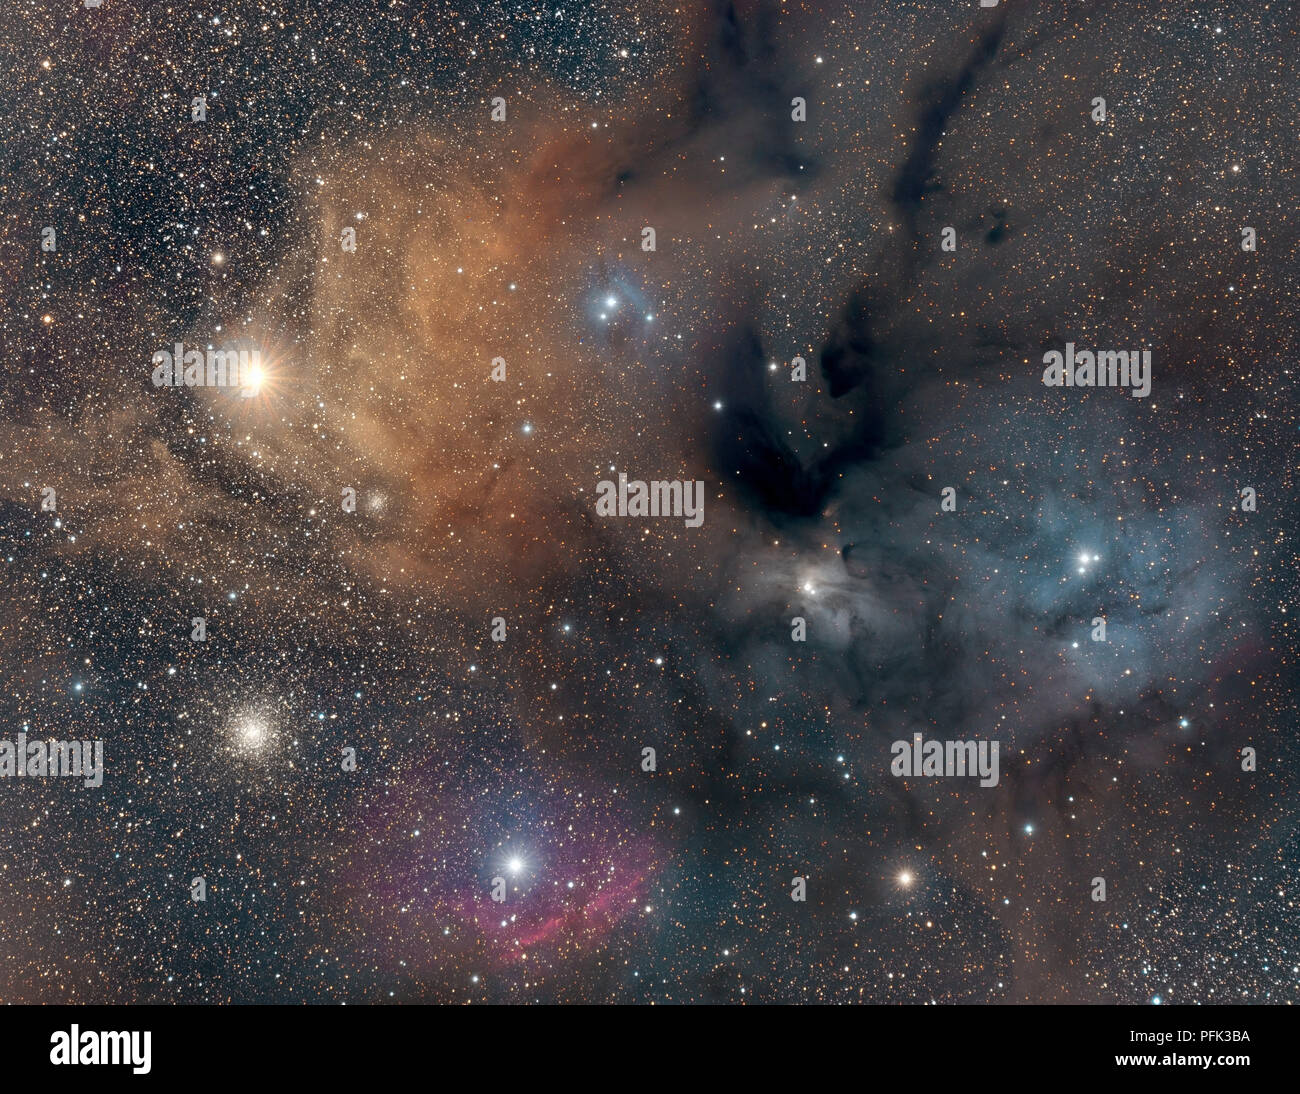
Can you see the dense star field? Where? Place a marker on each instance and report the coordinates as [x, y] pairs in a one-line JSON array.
[[919, 537]]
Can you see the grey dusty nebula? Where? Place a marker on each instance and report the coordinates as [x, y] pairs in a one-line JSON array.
[[405, 750]]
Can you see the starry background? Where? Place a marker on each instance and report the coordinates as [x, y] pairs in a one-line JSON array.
[[521, 239]]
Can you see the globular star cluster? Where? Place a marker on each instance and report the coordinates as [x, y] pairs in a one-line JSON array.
[[449, 733]]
